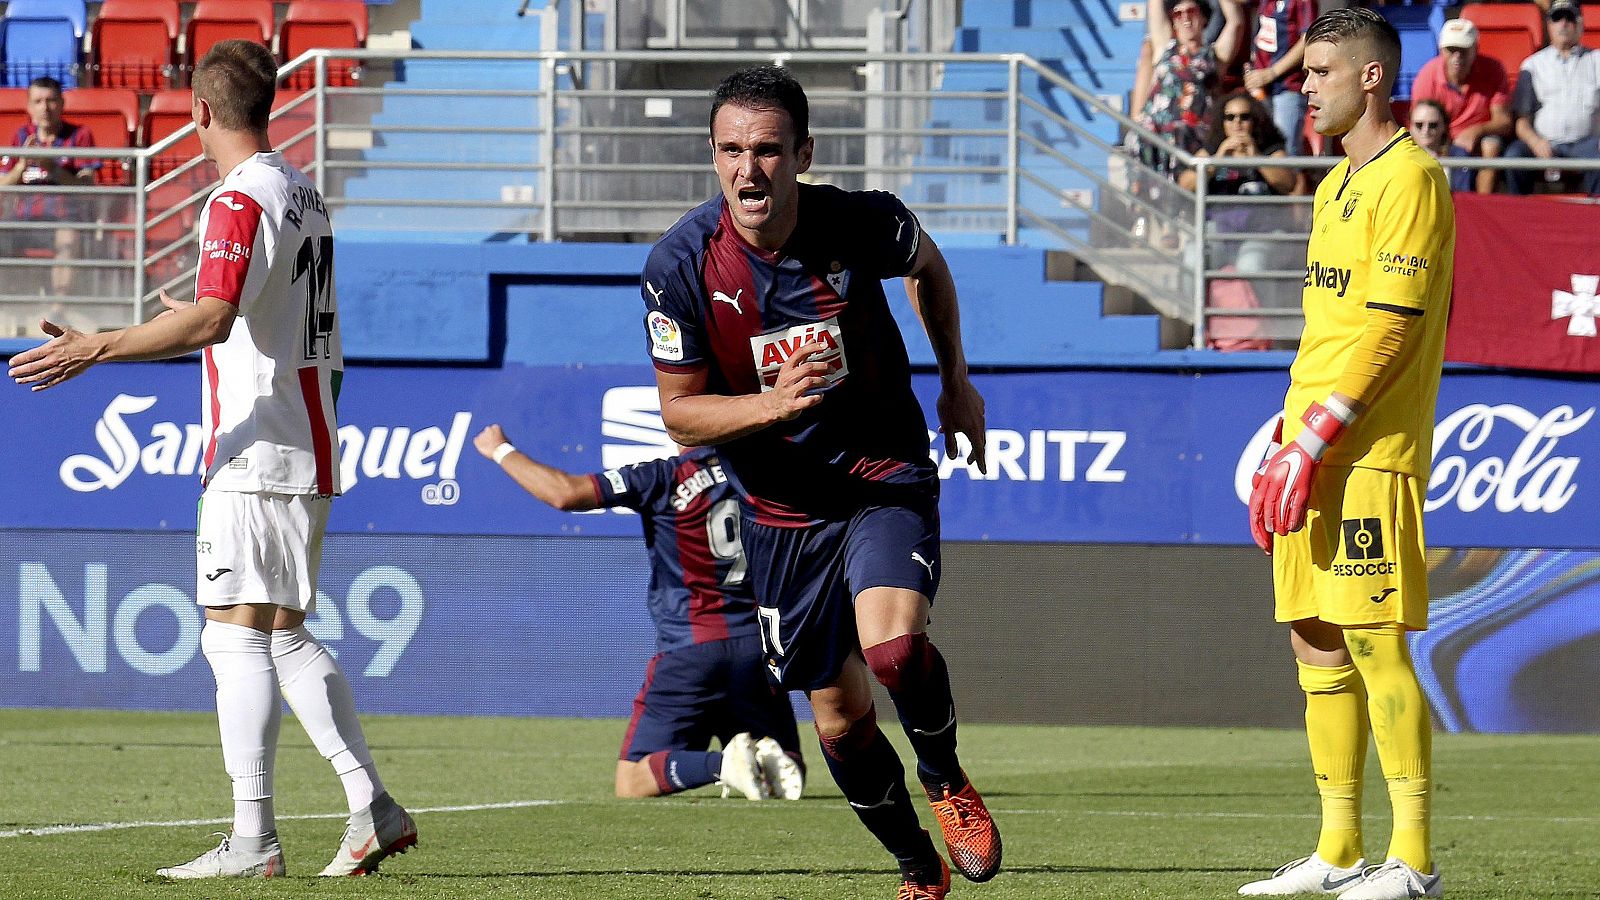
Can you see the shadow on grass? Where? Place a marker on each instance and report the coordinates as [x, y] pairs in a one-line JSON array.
[[867, 872]]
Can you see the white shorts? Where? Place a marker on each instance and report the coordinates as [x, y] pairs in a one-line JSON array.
[[259, 548]]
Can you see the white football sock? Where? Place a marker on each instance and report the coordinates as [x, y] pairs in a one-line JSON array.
[[249, 712], [320, 696]]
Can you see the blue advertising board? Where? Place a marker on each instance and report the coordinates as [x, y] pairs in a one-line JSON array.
[[1075, 456], [469, 625]]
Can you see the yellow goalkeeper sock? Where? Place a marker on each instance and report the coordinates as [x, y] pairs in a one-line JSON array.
[[1403, 729], [1336, 726]]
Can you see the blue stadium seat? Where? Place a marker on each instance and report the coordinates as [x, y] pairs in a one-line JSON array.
[[1418, 26], [37, 47], [452, 25], [73, 11]]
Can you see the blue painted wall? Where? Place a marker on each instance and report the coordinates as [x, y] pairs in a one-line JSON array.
[[579, 304]]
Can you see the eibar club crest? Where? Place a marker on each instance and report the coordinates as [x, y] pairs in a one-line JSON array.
[[1579, 307], [838, 278]]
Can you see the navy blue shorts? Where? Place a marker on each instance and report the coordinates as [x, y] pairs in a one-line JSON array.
[[712, 690], [806, 581]]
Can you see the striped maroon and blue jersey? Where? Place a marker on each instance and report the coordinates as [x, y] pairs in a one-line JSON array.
[[699, 584], [717, 303]]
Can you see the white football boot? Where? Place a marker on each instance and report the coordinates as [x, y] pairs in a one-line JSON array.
[[1394, 880], [371, 835], [784, 777], [741, 770], [235, 857], [1307, 875]]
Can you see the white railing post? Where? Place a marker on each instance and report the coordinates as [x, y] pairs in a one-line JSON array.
[[1013, 146], [547, 151], [1200, 179], [141, 210], [322, 123]]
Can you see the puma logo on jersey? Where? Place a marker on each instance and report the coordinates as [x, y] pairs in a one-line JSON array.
[[230, 203], [655, 295], [733, 301], [771, 349], [926, 564]]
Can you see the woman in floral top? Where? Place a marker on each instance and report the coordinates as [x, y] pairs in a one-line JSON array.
[[1186, 70]]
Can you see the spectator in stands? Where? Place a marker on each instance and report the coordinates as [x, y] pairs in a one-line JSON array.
[[1557, 98], [1186, 69], [1275, 74], [1473, 90], [46, 128], [1430, 128], [1242, 126]]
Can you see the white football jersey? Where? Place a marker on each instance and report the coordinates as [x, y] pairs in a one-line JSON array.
[[268, 394]]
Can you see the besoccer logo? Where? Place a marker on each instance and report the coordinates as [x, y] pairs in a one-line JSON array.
[[1363, 539]]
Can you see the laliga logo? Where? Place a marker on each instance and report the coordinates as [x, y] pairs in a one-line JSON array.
[[1532, 479], [173, 449]]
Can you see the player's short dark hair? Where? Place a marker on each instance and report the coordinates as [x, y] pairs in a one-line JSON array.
[[48, 83], [1336, 26], [238, 79], [765, 87]]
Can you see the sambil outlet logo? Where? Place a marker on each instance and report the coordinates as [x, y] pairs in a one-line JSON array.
[[429, 454], [1504, 456]]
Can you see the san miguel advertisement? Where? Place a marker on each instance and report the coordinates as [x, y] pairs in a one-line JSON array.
[[1080, 457]]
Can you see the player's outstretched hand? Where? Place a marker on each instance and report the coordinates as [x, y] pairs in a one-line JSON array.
[[68, 354], [798, 379], [488, 439], [961, 412]]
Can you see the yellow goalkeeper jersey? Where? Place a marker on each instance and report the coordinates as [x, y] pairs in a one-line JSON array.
[[1382, 236]]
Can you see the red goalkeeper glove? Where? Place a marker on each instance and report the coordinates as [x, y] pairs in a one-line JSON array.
[[1258, 528], [1281, 496]]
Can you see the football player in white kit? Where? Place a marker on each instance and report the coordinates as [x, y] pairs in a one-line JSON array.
[[264, 318]]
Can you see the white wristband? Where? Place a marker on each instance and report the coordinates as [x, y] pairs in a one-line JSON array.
[[501, 452]]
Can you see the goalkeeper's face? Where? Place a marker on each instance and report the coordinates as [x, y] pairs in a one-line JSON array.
[[759, 164], [1337, 77]]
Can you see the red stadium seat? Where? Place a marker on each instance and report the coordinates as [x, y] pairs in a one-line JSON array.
[[169, 111], [1591, 26], [1402, 112], [290, 119], [1509, 32], [323, 23], [135, 44], [13, 112], [220, 20], [112, 117]]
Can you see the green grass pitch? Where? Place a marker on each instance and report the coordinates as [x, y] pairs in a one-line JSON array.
[[1086, 813]]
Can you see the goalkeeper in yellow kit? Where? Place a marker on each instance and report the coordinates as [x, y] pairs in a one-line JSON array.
[[1339, 504]]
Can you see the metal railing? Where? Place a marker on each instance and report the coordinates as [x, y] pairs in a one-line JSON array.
[[474, 146]]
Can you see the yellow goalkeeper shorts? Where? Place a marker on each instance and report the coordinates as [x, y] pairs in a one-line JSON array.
[[1360, 559]]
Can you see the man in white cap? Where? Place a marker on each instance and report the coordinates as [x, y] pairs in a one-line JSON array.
[[1473, 91], [1558, 96]]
